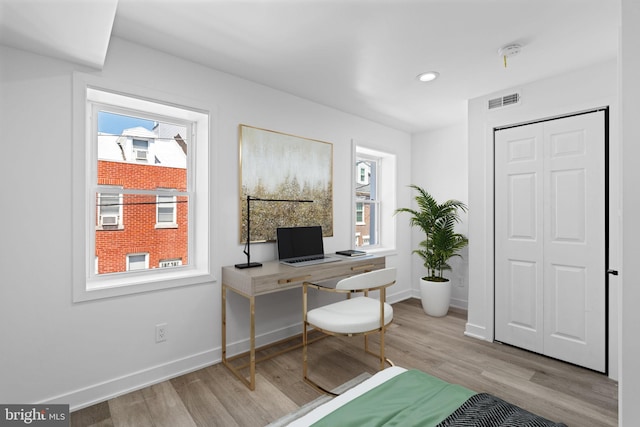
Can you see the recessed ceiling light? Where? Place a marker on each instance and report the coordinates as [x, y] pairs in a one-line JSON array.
[[428, 76]]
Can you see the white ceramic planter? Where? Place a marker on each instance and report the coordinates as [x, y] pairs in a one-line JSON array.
[[436, 297]]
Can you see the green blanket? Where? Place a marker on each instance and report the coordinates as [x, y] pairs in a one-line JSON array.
[[411, 398]]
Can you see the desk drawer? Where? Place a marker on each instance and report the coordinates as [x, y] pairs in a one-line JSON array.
[[293, 277]]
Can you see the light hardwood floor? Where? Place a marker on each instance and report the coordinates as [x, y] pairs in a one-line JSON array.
[[214, 397]]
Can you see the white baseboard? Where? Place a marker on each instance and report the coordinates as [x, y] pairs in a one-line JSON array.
[[100, 392], [242, 346], [399, 296], [93, 394], [459, 303], [87, 396], [475, 331]]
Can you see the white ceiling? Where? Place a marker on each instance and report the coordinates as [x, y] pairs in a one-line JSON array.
[[73, 30], [359, 56]]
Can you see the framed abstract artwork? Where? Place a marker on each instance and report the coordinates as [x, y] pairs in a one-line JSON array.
[[289, 169]]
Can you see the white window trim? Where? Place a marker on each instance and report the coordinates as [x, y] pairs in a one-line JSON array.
[[120, 225], [387, 190], [146, 260], [167, 224], [361, 211], [134, 150], [360, 178], [86, 286]]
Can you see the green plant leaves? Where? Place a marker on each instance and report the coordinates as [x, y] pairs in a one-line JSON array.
[[437, 221]]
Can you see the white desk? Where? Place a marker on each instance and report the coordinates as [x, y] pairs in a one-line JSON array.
[[276, 277]]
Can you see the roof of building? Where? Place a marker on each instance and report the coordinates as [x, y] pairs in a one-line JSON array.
[[166, 152], [139, 132]]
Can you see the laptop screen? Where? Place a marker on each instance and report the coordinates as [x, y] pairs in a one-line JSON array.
[[294, 242]]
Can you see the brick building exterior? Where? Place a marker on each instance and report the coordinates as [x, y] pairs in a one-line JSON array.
[[141, 227], [363, 230]]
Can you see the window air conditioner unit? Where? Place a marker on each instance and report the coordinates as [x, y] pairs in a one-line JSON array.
[[109, 220], [141, 154]]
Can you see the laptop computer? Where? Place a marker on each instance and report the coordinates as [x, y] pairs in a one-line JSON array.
[[301, 246]]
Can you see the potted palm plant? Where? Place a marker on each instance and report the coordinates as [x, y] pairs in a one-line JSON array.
[[437, 221]]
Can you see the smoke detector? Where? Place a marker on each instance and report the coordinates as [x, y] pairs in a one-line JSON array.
[[509, 50]]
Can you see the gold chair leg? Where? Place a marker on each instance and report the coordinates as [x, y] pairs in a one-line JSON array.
[[305, 343], [382, 349], [321, 389], [380, 355]]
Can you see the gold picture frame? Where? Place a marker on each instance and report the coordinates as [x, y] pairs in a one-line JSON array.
[[280, 166]]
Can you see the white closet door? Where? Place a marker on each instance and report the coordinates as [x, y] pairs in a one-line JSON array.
[[551, 298], [574, 244], [519, 232]]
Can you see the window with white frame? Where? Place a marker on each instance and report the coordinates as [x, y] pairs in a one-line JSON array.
[[149, 193], [144, 164], [109, 208], [367, 200], [140, 149], [363, 173], [374, 198], [166, 211], [360, 213], [137, 262]]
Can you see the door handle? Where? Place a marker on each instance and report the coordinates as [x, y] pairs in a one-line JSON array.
[[612, 272]]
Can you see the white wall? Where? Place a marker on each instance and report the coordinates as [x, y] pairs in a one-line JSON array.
[[439, 164], [592, 87], [57, 351], [629, 390]]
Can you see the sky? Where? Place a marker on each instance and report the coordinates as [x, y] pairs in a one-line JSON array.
[[115, 123]]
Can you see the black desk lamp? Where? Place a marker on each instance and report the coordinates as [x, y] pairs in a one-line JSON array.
[[247, 251]]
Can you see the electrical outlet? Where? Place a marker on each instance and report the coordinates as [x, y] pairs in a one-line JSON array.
[[161, 332]]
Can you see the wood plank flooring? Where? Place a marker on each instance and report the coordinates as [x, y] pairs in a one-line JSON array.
[[214, 397]]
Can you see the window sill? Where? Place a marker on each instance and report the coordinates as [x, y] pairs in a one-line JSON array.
[[110, 228], [132, 283], [379, 251], [166, 225]]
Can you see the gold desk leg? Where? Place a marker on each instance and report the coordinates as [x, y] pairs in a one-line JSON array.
[[252, 351], [228, 362], [251, 382], [224, 324]]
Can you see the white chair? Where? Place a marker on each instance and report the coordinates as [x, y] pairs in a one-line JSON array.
[[360, 315]]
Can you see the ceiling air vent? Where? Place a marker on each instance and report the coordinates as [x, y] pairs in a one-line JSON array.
[[504, 101]]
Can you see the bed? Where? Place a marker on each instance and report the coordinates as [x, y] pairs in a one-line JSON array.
[[401, 397]]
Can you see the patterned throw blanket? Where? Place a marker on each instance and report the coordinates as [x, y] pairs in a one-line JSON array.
[[485, 410]]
